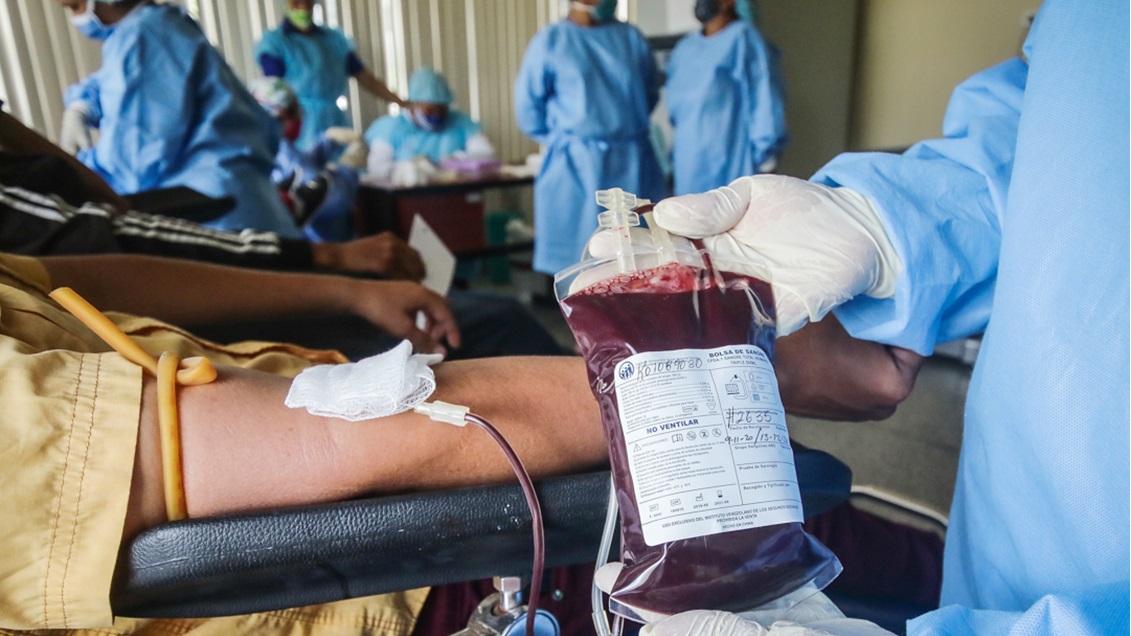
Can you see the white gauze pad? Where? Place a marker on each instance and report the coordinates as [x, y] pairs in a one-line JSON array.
[[382, 385]]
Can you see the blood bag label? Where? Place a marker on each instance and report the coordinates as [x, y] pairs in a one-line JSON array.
[[707, 443]]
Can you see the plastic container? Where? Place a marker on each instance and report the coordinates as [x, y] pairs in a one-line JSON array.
[[679, 357]]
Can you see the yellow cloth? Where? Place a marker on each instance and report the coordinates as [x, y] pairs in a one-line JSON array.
[[69, 409]]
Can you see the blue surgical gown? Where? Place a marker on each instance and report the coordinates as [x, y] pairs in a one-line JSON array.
[[409, 140], [172, 113], [317, 64], [586, 94], [726, 105], [1016, 223]]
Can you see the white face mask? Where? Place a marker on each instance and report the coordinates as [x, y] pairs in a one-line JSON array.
[[581, 6], [89, 24]]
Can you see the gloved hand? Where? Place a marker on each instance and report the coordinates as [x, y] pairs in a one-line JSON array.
[[413, 172], [819, 246], [342, 135], [711, 623], [802, 613], [355, 155], [75, 131]]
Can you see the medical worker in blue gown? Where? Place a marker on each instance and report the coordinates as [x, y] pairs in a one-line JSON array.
[[725, 99], [585, 91], [1014, 224], [170, 112], [317, 61], [428, 128]]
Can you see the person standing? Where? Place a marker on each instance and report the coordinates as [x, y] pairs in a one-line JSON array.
[[726, 103], [585, 90], [317, 62]]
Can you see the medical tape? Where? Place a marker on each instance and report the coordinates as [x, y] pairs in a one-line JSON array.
[[170, 371]]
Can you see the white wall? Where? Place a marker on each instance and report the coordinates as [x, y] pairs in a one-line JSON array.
[[914, 52]]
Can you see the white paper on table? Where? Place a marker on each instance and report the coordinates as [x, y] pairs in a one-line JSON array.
[[439, 262]]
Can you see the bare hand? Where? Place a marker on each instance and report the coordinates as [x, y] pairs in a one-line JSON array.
[[393, 307], [384, 254], [824, 372]]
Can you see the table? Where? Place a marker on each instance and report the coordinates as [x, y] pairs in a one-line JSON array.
[[453, 207]]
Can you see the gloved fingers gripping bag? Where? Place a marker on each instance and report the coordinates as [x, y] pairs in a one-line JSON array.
[[680, 359]]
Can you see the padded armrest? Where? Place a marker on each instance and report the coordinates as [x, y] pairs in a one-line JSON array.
[[316, 554]]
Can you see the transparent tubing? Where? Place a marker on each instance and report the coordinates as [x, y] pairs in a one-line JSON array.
[[535, 516], [619, 218], [600, 618]]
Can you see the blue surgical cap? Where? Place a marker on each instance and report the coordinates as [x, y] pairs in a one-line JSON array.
[[428, 86]]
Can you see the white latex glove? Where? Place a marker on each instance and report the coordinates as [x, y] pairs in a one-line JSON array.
[[820, 246], [704, 623], [342, 135], [379, 165], [479, 147], [355, 155], [804, 612], [75, 131], [413, 172], [709, 623]]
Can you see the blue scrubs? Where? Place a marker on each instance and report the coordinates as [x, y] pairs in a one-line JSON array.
[[317, 64], [1017, 223], [172, 113], [409, 140], [727, 107], [586, 94]]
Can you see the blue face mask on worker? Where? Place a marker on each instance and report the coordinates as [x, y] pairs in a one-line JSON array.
[[705, 10], [431, 123], [603, 11], [90, 25]]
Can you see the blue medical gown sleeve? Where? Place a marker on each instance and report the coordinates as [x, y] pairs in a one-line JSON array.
[[354, 65], [941, 202], [271, 47], [533, 89], [1097, 610], [85, 90], [271, 65], [768, 134], [383, 128], [647, 69], [151, 139]]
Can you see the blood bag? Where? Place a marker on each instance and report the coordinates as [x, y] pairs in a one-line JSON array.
[[680, 359]]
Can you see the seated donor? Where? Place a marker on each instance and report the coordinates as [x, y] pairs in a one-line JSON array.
[[725, 99], [83, 472], [212, 137], [428, 128], [319, 191], [50, 204], [318, 62], [81, 436]]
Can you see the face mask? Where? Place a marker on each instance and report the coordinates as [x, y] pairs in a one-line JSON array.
[[88, 24], [605, 11], [300, 18], [431, 123], [705, 10]]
